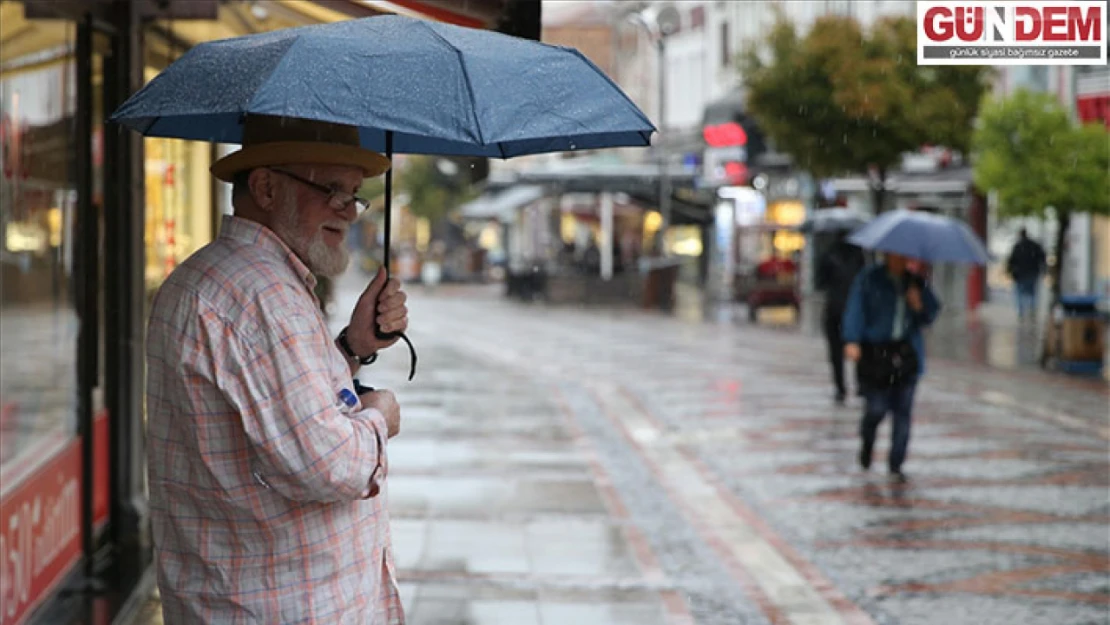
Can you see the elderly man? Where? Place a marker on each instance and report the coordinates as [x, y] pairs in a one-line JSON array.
[[266, 469]]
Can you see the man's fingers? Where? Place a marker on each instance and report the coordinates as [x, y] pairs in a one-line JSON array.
[[375, 286], [392, 321], [392, 286], [392, 302]]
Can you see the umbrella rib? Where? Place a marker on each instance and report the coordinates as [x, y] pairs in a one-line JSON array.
[[262, 83], [466, 80], [627, 99]]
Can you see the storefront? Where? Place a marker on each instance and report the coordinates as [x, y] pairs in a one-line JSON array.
[[56, 436]]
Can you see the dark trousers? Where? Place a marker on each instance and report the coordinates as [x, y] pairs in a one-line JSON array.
[[898, 401], [1026, 297], [836, 351]]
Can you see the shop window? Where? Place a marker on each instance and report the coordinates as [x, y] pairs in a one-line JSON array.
[[178, 204], [38, 318]]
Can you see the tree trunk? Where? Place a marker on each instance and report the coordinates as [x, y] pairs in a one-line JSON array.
[[878, 191], [1064, 220]]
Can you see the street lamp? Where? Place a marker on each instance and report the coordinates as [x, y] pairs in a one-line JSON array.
[[661, 22]]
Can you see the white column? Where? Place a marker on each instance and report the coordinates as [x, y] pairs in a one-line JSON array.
[[606, 235]]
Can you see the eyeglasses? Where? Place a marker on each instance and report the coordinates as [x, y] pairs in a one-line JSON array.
[[337, 200]]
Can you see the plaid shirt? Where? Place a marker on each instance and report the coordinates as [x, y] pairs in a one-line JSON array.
[[259, 474]]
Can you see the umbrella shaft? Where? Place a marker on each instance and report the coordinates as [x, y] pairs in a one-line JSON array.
[[388, 200]]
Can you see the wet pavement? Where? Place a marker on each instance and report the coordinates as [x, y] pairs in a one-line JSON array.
[[600, 467]]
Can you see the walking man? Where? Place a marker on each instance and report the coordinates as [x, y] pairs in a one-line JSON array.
[[1026, 266], [887, 309], [266, 468], [837, 270]]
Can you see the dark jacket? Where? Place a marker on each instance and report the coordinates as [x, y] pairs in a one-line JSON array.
[[872, 303], [838, 268], [1027, 260]]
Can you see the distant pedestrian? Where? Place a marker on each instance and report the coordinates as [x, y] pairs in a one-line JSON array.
[[887, 308], [835, 273], [1026, 266]]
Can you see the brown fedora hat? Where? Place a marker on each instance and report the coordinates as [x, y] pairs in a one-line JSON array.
[[269, 140]]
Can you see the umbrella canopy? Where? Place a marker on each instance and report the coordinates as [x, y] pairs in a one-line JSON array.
[[925, 236], [439, 88], [834, 220]]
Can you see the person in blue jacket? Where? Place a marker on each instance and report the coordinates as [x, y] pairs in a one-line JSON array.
[[888, 305]]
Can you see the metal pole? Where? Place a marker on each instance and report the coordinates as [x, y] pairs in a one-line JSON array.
[[86, 269], [664, 173], [606, 235]]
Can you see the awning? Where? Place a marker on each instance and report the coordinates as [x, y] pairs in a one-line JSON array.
[[957, 180], [472, 14], [689, 204], [501, 205]]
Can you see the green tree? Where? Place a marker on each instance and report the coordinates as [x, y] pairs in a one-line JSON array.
[[1027, 150], [841, 99], [433, 191]]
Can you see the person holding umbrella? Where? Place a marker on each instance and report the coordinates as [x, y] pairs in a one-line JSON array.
[[260, 458], [267, 462], [888, 308]]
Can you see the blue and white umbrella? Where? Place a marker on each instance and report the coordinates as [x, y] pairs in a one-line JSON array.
[[925, 236]]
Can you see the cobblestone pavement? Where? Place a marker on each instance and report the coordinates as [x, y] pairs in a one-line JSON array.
[[618, 467]]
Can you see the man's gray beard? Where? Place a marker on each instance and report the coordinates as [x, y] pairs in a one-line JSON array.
[[314, 252]]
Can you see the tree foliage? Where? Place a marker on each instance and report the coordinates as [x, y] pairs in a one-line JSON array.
[[432, 193], [1028, 151], [842, 99]]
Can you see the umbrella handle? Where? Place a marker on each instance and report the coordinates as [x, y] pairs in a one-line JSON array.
[[385, 336]]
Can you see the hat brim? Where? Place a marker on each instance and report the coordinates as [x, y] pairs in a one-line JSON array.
[[299, 152]]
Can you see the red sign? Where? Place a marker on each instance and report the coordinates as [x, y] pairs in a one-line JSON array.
[[40, 525], [724, 135], [1094, 108], [737, 173], [40, 534]]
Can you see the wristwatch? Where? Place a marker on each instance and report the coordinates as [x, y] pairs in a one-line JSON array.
[[346, 347]]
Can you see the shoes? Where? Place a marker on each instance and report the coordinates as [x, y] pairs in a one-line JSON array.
[[897, 477], [865, 456], [839, 399]]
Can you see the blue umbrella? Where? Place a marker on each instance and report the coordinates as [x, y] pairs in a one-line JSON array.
[[925, 236], [410, 86], [438, 88]]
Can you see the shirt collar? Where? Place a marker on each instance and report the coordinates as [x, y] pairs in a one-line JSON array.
[[253, 233]]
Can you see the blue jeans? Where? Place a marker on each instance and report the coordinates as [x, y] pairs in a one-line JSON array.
[[1026, 290], [899, 402]]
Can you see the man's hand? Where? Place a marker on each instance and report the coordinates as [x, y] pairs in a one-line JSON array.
[[913, 298], [385, 403], [381, 303], [851, 352]]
